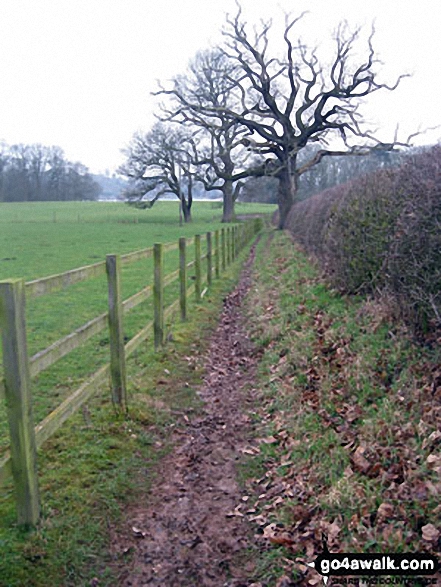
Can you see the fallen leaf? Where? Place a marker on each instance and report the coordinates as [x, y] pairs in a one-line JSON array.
[[353, 522], [269, 530], [384, 512], [250, 451], [430, 533], [433, 489], [138, 533], [331, 530], [432, 439], [283, 539], [433, 460], [301, 513], [360, 462], [269, 440], [235, 513]]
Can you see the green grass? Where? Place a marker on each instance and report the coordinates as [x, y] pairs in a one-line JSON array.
[[42, 238], [99, 462], [33, 245], [336, 375]]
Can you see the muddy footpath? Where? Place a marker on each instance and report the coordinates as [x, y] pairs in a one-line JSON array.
[[191, 533]]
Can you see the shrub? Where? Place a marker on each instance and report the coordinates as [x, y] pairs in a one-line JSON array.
[[413, 268], [358, 232], [382, 233]]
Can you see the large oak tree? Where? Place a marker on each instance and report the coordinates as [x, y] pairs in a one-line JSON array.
[[289, 101]]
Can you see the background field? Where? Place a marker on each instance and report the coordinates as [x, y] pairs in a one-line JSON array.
[[41, 239]]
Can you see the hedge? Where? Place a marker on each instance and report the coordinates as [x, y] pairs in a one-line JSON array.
[[381, 233]]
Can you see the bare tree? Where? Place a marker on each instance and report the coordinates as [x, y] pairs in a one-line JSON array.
[[202, 100], [158, 162], [291, 101], [36, 172]]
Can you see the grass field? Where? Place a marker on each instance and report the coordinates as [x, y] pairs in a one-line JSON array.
[[38, 239], [41, 239]]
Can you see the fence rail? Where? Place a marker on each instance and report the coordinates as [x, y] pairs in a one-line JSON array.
[[25, 439], [45, 285]]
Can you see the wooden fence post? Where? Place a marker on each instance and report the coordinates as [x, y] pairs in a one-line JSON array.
[[216, 254], [209, 259], [183, 278], [197, 267], [224, 264], [18, 400], [117, 351], [228, 245], [158, 294]]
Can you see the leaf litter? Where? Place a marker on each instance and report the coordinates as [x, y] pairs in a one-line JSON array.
[[355, 444]]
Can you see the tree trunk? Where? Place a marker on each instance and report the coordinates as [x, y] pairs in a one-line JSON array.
[[286, 194], [186, 210], [187, 203], [228, 210]]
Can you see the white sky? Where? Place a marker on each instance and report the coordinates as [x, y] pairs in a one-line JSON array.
[[79, 73]]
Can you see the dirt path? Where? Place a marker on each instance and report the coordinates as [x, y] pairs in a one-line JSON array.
[[189, 532]]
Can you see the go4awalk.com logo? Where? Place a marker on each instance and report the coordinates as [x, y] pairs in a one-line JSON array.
[[423, 566]]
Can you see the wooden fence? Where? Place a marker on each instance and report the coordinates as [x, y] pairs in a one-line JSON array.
[[18, 368]]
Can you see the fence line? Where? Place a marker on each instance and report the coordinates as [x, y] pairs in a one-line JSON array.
[[20, 460]]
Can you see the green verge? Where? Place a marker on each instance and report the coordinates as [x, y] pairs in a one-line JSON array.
[[100, 462], [32, 246], [348, 423]]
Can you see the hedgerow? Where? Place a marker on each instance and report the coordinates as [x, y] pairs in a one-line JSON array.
[[381, 234]]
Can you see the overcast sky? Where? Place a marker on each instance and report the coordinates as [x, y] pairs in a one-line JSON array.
[[79, 73]]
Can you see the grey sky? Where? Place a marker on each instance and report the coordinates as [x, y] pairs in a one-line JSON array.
[[78, 73]]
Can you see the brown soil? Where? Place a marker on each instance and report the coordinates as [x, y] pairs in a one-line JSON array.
[[189, 534]]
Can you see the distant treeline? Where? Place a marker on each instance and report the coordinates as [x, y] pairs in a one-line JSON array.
[[31, 173], [329, 172], [381, 234]]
